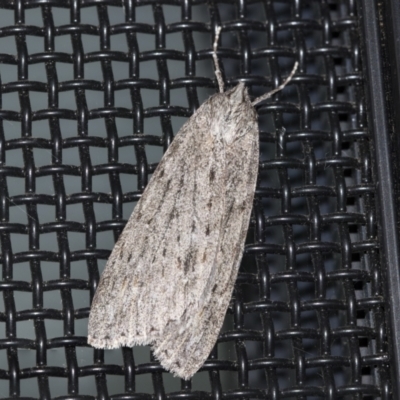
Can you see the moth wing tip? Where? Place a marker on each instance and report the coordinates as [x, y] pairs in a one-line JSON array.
[[120, 341], [185, 372], [103, 343]]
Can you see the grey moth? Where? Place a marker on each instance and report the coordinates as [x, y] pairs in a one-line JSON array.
[[170, 276]]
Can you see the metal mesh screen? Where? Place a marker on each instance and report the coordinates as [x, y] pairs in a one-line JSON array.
[[91, 95]]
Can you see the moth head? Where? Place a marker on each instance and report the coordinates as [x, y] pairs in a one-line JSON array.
[[235, 114], [238, 95]]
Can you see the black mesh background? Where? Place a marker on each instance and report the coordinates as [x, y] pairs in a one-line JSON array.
[[92, 93]]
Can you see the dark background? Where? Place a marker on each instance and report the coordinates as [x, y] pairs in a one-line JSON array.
[[92, 94]]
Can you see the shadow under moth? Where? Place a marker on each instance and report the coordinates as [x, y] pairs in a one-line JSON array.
[[170, 276]]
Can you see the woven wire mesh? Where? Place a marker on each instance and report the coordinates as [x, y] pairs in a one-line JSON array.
[[91, 95]]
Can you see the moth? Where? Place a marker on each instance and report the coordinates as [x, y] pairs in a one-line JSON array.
[[170, 276]]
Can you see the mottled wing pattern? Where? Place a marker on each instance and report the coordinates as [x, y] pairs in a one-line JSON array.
[[149, 279], [170, 277], [187, 343]]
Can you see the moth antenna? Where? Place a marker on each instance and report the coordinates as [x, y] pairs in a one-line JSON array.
[[280, 87], [217, 71]]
